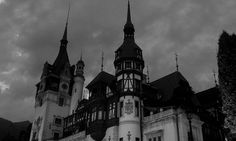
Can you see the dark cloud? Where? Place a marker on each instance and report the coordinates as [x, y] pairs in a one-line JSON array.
[[30, 33]]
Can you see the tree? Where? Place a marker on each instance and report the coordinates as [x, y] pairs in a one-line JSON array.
[[227, 77]]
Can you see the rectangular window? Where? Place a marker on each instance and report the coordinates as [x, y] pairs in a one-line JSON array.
[[100, 115], [58, 121], [110, 111], [137, 108], [136, 139], [121, 109], [121, 139], [40, 102], [159, 138], [56, 136], [154, 139], [61, 101], [128, 65], [94, 114], [150, 139], [113, 109]]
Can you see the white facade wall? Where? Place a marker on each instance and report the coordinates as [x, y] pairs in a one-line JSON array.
[[48, 111], [111, 134], [129, 122], [164, 124], [77, 93]]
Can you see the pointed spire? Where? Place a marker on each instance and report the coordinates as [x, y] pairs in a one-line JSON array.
[[64, 38], [128, 14], [62, 57], [129, 27]]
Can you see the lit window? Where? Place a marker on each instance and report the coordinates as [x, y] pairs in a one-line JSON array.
[[110, 111], [100, 115], [138, 77], [94, 114], [119, 77], [58, 121], [112, 107]]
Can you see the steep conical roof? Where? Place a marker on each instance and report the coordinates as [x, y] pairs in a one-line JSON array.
[[62, 57]]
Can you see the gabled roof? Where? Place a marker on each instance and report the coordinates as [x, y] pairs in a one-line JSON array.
[[167, 84], [102, 77], [209, 97]]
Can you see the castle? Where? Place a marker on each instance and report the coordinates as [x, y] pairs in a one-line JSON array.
[[123, 106]]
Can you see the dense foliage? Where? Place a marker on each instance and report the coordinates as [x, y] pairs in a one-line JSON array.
[[227, 77]]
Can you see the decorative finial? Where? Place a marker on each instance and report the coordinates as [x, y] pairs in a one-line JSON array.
[[102, 61], [176, 62], [147, 74], [214, 75], [129, 27]]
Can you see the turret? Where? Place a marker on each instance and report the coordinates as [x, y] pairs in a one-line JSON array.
[[78, 85], [129, 66]]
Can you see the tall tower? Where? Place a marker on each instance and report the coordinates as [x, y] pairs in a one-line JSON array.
[[53, 96], [77, 91], [129, 66]]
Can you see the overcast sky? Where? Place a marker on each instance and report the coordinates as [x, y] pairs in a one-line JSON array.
[[30, 33]]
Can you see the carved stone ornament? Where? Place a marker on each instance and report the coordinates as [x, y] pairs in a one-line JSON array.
[[129, 107]]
